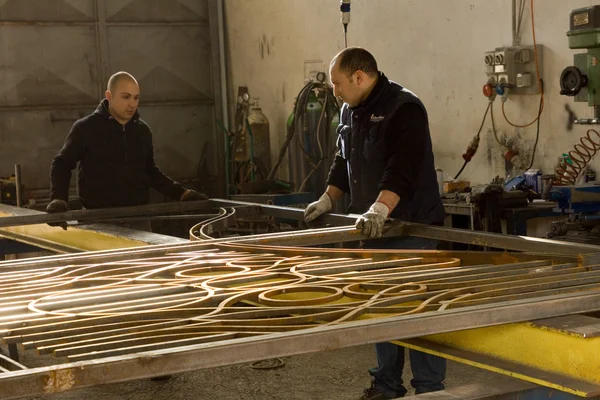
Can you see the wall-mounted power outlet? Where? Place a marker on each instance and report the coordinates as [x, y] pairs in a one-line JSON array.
[[514, 68]]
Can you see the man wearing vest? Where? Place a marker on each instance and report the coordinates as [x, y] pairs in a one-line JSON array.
[[385, 162]]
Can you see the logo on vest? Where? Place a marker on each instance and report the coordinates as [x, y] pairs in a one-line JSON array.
[[377, 118]]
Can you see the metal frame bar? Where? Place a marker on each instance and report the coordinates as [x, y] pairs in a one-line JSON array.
[[400, 228], [219, 75], [99, 214], [323, 236], [186, 358]]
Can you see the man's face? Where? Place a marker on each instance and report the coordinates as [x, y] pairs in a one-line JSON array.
[[124, 99], [346, 87]]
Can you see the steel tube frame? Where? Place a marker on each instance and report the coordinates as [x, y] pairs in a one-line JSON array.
[[107, 213], [322, 236], [47, 380], [18, 185], [400, 228]]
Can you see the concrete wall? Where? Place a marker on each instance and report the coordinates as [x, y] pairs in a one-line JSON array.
[[433, 47]]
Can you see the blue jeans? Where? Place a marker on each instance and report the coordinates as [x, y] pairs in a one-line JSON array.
[[429, 371]]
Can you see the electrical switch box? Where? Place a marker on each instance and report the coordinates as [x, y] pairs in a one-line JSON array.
[[514, 67]]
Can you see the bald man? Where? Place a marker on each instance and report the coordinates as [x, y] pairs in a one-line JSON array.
[[113, 147]]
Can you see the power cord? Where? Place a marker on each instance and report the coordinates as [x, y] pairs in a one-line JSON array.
[[537, 135], [474, 144]]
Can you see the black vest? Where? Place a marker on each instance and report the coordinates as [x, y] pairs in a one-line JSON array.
[[362, 143]]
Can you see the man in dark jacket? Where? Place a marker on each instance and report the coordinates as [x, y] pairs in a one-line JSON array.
[[113, 147], [385, 162]]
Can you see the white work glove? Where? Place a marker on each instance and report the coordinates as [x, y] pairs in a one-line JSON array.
[[318, 207], [371, 223]]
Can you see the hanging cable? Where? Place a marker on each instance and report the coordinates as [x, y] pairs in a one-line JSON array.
[[299, 121], [461, 169], [539, 78], [322, 155], [494, 127], [302, 96], [537, 134], [474, 144]]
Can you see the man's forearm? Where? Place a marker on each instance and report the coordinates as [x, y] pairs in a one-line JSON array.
[[334, 193], [60, 179], [164, 184], [389, 198]]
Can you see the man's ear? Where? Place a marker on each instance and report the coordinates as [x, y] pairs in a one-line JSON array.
[[108, 95], [360, 77]]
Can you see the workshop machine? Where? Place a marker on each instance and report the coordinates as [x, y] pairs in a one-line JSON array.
[[582, 80], [580, 202]]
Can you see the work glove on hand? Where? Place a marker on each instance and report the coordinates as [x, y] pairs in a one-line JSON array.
[[192, 195], [58, 206], [317, 208], [371, 223]]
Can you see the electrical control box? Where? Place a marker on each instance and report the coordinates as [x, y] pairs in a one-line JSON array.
[[514, 68]]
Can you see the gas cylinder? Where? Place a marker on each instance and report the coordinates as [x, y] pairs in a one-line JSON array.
[[259, 140], [309, 147]]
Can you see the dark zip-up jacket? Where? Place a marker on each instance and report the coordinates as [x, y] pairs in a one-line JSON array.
[[116, 163], [384, 144]]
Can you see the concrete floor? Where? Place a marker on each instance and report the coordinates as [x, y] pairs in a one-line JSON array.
[[333, 375]]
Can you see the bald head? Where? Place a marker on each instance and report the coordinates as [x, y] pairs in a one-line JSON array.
[[123, 94], [119, 77]]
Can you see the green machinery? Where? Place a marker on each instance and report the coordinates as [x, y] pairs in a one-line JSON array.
[[582, 80]]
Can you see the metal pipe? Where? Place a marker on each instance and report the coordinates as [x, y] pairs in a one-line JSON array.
[[108, 213], [514, 22], [330, 235], [197, 217], [398, 228], [496, 240], [18, 185], [223, 81], [101, 46]]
